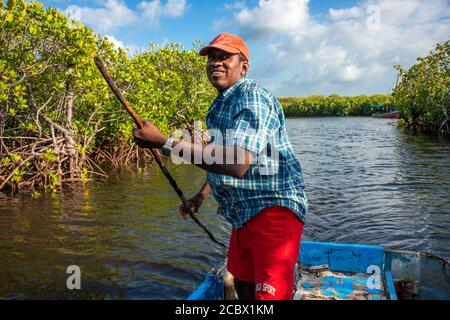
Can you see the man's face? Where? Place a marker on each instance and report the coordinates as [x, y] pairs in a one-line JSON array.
[[224, 69]]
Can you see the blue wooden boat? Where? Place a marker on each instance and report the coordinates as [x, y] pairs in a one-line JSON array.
[[334, 271]]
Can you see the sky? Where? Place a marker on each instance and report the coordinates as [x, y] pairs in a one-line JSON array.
[[297, 47]]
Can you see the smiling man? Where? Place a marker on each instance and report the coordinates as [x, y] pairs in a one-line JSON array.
[[261, 190]]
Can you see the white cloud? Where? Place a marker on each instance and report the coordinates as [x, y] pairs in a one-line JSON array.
[[342, 54], [114, 14], [351, 73], [117, 43], [151, 10], [131, 49], [175, 8], [272, 16], [340, 14], [154, 10]]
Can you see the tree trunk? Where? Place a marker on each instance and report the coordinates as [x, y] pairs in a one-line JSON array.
[[1, 132], [70, 142]]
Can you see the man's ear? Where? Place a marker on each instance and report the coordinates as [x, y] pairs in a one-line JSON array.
[[244, 68]]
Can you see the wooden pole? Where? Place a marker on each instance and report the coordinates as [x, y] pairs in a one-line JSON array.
[[155, 153]]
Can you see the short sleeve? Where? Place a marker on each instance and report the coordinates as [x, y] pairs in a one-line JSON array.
[[255, 121]]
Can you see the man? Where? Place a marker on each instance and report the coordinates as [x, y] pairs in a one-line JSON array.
[[260, 191]]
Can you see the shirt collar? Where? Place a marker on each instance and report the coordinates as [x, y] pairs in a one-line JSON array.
[[229, 92]]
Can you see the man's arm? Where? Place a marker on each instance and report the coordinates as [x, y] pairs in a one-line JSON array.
[[230, 160], [205, 190], [196, 201]]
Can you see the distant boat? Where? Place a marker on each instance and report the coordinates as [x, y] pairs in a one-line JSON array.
[[353, 272], [385, 111], [392, 115]]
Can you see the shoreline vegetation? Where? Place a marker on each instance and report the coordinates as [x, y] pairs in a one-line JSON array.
[[333, 105], [423, 92], [60, 125]]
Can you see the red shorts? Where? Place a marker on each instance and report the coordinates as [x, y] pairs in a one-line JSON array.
[[264, 252]]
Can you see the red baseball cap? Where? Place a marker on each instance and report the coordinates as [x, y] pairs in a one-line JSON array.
[[229, 43]]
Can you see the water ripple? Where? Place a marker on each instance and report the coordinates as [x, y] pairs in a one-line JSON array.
[[367, 182]]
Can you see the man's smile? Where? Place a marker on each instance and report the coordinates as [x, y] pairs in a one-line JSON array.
[[217, 73]]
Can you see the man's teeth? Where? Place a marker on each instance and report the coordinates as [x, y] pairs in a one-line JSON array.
[[217, 72]]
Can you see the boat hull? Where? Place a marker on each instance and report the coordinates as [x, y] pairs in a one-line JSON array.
[[389, 115], [340, 271]]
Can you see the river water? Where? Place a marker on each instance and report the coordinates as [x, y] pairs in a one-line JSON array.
[[368, 182]]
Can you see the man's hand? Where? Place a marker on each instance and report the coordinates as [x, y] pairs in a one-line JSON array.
[[149, 136], [194, 203]]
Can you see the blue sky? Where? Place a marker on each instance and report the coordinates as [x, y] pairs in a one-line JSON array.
[[298, 47]]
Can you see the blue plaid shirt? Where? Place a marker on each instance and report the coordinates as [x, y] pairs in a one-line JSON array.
[[250, 117]]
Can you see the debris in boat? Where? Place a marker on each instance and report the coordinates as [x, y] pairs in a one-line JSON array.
[[318, 270], [319, 283], [406, 289]]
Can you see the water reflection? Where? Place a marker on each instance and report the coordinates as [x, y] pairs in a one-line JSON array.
[[126, 236], [369, 182]]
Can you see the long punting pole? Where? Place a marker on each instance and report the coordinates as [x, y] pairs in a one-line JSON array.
[[155, 153]]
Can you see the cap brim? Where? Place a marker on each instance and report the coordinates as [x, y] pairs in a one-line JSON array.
[[205, 50]]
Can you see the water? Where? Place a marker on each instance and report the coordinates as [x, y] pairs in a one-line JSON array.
[[370, 183], [367, 182]]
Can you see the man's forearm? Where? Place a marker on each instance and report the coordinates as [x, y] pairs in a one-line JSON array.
[[227, 160], [205, 190]]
